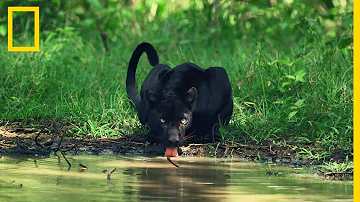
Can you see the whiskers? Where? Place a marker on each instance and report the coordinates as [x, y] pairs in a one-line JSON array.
[[191, 135]]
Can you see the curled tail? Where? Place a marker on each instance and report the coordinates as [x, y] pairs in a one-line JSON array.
[[131, 72]]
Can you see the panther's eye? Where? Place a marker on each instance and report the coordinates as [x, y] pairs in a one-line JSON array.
[[162, 120], [183, 121]]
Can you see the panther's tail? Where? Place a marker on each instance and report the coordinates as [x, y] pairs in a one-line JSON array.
[[131, 73]]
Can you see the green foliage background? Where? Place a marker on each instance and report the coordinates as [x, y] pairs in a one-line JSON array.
[[290, 63], [276, 23]]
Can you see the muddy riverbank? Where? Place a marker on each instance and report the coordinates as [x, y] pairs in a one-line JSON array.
[[50, 136]]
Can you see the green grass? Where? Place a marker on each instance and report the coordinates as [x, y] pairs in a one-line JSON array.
[[304, 92], [346, 166]]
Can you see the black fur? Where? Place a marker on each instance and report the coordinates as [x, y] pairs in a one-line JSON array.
[[179, 101]]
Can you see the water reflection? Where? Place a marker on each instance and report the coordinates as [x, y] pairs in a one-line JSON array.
[[180, 183], [155, 179]]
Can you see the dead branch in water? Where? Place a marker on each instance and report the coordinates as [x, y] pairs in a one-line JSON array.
[[59, 147], [109, 174]]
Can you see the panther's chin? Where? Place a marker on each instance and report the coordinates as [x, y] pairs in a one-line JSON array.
[[171, 144]]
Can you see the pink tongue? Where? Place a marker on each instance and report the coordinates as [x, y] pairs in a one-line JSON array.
[[171, 152]]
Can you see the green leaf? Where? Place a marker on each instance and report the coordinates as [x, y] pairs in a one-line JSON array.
[[279, 102], [313, 23], [66, 29], [290, 77], [89, 22], [95, 3], [285, 62], [79, 10], [3, 29], [50, 36], [254, 9], [300, 76], [292, 114], [348, 22], [303, 139], [335, 130], [285, 84], [299, 103], [250, 103]]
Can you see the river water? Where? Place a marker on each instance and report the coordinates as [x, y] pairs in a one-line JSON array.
[[140, 178]]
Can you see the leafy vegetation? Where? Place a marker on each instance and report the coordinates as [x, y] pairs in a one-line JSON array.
[[290, 64], [338, 167]]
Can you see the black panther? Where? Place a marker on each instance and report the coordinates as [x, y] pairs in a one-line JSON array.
[[176, 102]]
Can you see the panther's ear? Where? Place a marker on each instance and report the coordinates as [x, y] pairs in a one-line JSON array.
[[191, 95]]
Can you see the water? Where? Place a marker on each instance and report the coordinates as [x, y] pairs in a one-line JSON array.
[[140, 178]]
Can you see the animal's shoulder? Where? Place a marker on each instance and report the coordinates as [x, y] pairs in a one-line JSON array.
[[188, 67], [217, 73]]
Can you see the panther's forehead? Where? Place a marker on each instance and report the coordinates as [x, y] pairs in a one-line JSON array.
[[173, 109]]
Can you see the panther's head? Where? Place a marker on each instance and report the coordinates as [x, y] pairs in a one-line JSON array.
[[171, 116]]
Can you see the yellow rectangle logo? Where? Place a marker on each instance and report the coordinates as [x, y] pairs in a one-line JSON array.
[[36, 46]]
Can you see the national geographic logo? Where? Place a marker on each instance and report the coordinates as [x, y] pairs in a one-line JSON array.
[[36, 47]]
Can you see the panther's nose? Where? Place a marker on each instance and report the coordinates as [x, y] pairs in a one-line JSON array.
[[174, 139]]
